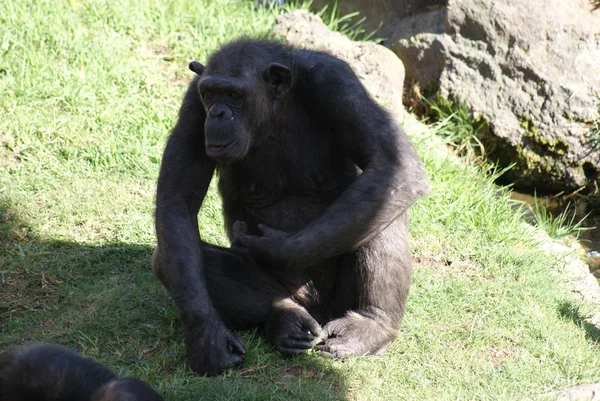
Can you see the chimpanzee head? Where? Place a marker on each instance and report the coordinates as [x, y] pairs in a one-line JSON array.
[[240, 93]]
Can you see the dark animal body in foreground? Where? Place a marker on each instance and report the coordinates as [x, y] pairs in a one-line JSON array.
[[316, 181], [51, 373]]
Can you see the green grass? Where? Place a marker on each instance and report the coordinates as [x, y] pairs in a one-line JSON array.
[[457, 126], [88, 92], [460, 130], [561, 225]]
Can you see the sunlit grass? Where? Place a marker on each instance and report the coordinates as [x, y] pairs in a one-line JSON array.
[[557, 226], [89, 90], [456, 125]]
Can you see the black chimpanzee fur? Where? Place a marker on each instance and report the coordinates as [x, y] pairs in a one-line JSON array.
[[316, 182], [51, 373]]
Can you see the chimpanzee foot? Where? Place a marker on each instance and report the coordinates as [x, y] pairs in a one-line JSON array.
[[355, 335], [291, 328]]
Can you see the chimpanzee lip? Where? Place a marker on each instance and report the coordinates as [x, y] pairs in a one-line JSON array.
[[215, 149]]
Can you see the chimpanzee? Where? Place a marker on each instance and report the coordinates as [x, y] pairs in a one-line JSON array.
[[51, 373], [316, 180]]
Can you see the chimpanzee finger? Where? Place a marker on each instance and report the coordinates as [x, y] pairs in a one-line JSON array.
[[312, 326], [299, 335], [236, 345], [327, 354], [327, 350], [240, 227], [239, 232], [290, 351], [257, 244], [238, 241], [291, 343], [335, 327], [271, 232]]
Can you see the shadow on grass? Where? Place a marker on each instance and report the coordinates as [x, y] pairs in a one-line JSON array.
[[104, 301], [570, 311]]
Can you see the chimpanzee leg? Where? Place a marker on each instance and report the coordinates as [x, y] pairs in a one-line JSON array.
[[247, 296], [240, 290], [383, 272]]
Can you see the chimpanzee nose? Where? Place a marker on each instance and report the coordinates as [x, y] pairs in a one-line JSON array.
[[220, 111]]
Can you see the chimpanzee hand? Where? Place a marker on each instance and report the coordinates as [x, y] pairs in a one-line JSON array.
[[276, 246], [291, 329], [213, 349]]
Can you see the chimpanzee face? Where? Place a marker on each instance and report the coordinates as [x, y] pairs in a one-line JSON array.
[[228, 128], [238, 107]]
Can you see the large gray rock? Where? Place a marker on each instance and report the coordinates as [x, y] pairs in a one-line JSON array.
[[378, 68], [585, 392], [382, 16], [531, 68]]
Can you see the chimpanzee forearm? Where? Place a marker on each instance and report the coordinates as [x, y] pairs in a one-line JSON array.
[[184, 178], [180, 258], [388, 186]]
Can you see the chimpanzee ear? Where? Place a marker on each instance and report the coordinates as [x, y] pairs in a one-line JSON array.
[[278, 75], [196, 67]]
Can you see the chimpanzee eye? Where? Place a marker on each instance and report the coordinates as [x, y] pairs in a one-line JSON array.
[[235, 95], [207, 94]]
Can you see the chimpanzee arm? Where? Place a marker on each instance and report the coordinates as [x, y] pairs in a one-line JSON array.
[[184, 178], [392, 177], [186, 172]]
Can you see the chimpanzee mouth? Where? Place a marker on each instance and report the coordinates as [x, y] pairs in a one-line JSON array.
[[214, 150]]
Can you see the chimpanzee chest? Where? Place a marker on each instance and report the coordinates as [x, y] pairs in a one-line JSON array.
[[285, 188], [291, 203]]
